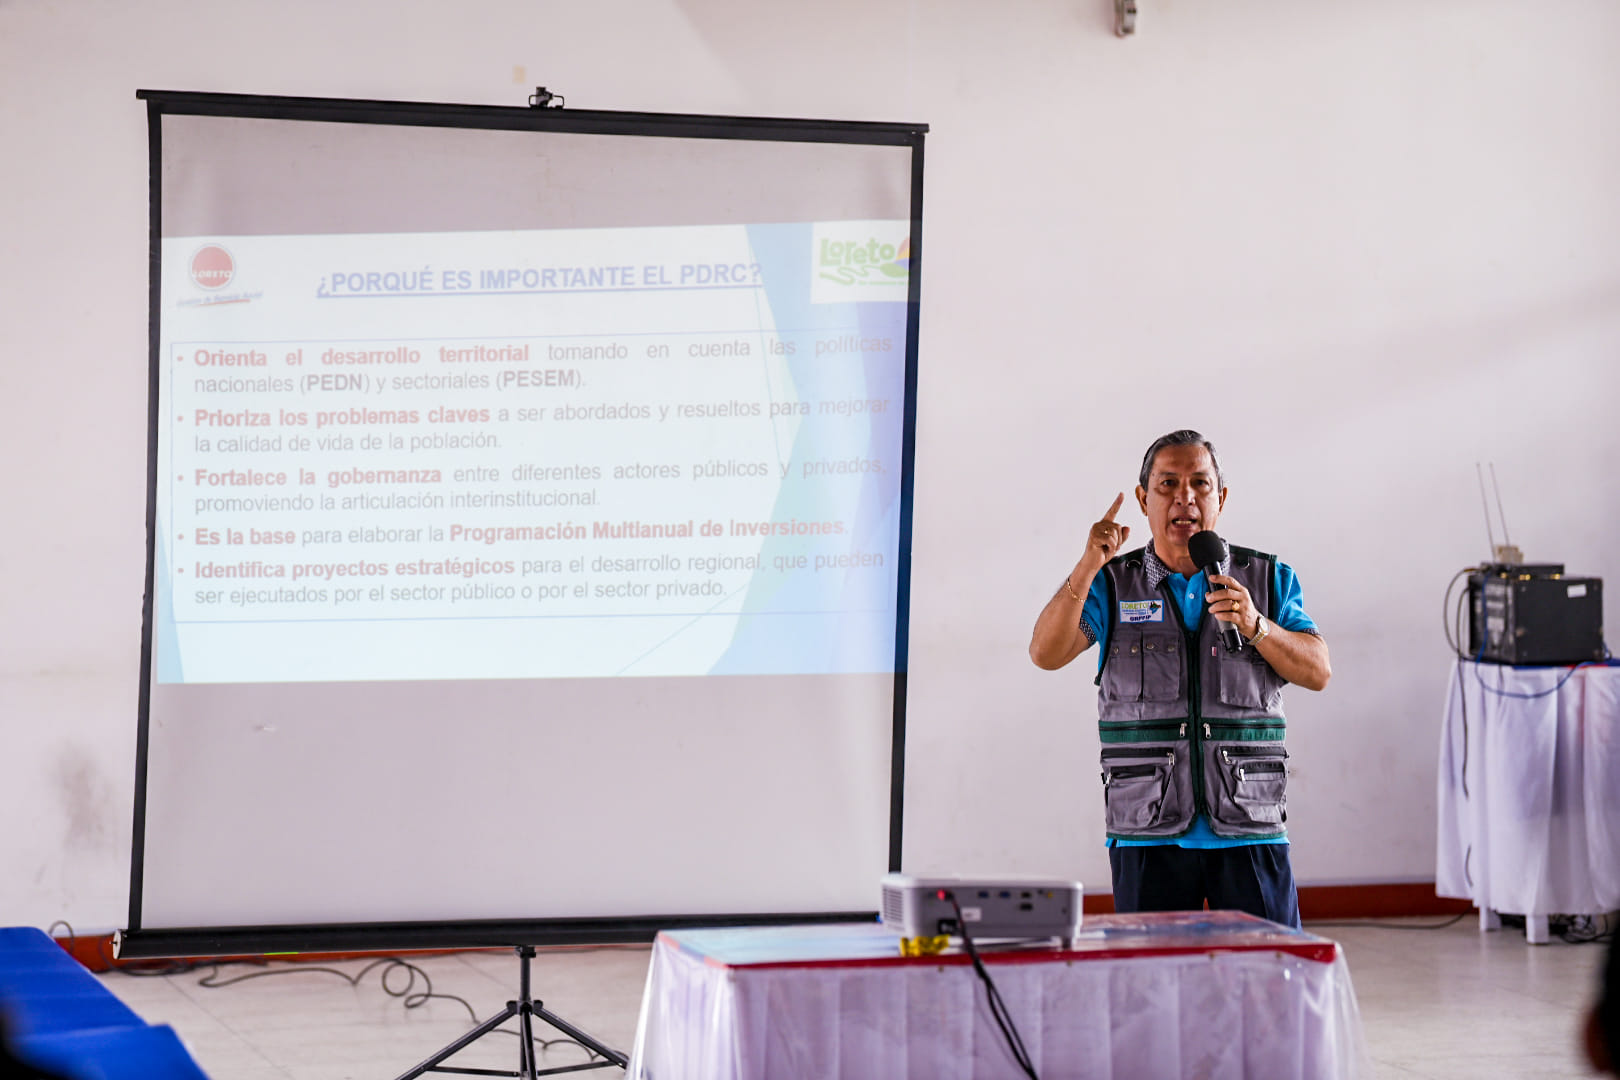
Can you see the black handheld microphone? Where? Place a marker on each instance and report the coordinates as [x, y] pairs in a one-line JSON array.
[[1208, 551]]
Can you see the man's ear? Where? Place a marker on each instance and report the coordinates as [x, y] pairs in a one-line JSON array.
[[1222, 504], [1141, 498]]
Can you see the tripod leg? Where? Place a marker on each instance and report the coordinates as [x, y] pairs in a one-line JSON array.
[[466, 1040], [579, 1036], [526, 1054]]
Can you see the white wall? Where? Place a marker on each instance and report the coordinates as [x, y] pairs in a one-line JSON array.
[[1361, 246]]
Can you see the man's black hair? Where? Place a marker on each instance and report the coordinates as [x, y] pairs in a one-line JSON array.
[[1184, 437]]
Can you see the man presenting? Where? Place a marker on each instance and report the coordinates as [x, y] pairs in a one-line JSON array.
[[1193, 763]]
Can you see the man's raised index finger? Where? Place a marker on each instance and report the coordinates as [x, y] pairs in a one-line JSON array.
[[1119, 501]]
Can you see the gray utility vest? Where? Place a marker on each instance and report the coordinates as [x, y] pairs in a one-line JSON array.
[[1168, 753]]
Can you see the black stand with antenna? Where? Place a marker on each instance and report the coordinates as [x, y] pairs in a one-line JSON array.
[[525, 1009]]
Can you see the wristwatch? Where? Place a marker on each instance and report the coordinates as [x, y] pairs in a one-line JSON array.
[[1261, 629]]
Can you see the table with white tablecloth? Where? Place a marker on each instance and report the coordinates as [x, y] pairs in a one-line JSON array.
[[1217, 995], [1529, 792]]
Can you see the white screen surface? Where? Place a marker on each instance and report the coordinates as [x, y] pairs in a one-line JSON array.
[[509, 477]]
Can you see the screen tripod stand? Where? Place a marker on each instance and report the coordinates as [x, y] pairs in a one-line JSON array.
[[525, 1009]]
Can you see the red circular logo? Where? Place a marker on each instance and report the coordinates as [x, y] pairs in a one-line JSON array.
[[212, 267]]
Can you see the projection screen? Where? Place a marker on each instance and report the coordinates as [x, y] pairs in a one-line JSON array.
[[529, 522]]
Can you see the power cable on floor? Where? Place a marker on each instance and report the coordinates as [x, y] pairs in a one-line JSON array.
[[1453, 921]]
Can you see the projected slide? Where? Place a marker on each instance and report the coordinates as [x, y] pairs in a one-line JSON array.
[[551, 453]]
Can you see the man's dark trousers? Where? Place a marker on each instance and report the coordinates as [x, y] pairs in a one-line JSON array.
[[1255, 878]]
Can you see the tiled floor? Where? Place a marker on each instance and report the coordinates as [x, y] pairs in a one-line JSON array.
[[315, 1026], [1435, 1003]]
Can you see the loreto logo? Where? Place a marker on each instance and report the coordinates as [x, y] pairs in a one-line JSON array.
[[212, 267], [860, 261]]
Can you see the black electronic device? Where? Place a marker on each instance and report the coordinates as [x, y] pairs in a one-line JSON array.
[[1533, 614], [1476, 615], [1529, 613]]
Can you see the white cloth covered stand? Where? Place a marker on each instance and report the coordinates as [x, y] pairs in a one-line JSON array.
[[1529, 792]]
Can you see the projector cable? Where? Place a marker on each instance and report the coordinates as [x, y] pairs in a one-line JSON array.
[[998, 1008]]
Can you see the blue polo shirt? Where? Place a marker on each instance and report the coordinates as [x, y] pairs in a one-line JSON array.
[[1189, 593]]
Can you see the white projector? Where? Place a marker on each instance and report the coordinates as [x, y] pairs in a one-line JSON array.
[[919, 906]]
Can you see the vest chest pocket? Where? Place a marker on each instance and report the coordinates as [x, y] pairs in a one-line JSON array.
[[1246, 681], [1161, 669], [1145, 667]]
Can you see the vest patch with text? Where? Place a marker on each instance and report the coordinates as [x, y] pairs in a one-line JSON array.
[[1140, 611]]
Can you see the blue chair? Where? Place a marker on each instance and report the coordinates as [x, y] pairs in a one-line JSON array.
[[63, 1022]]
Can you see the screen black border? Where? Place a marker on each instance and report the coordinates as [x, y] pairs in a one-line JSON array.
[[135, 942]]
